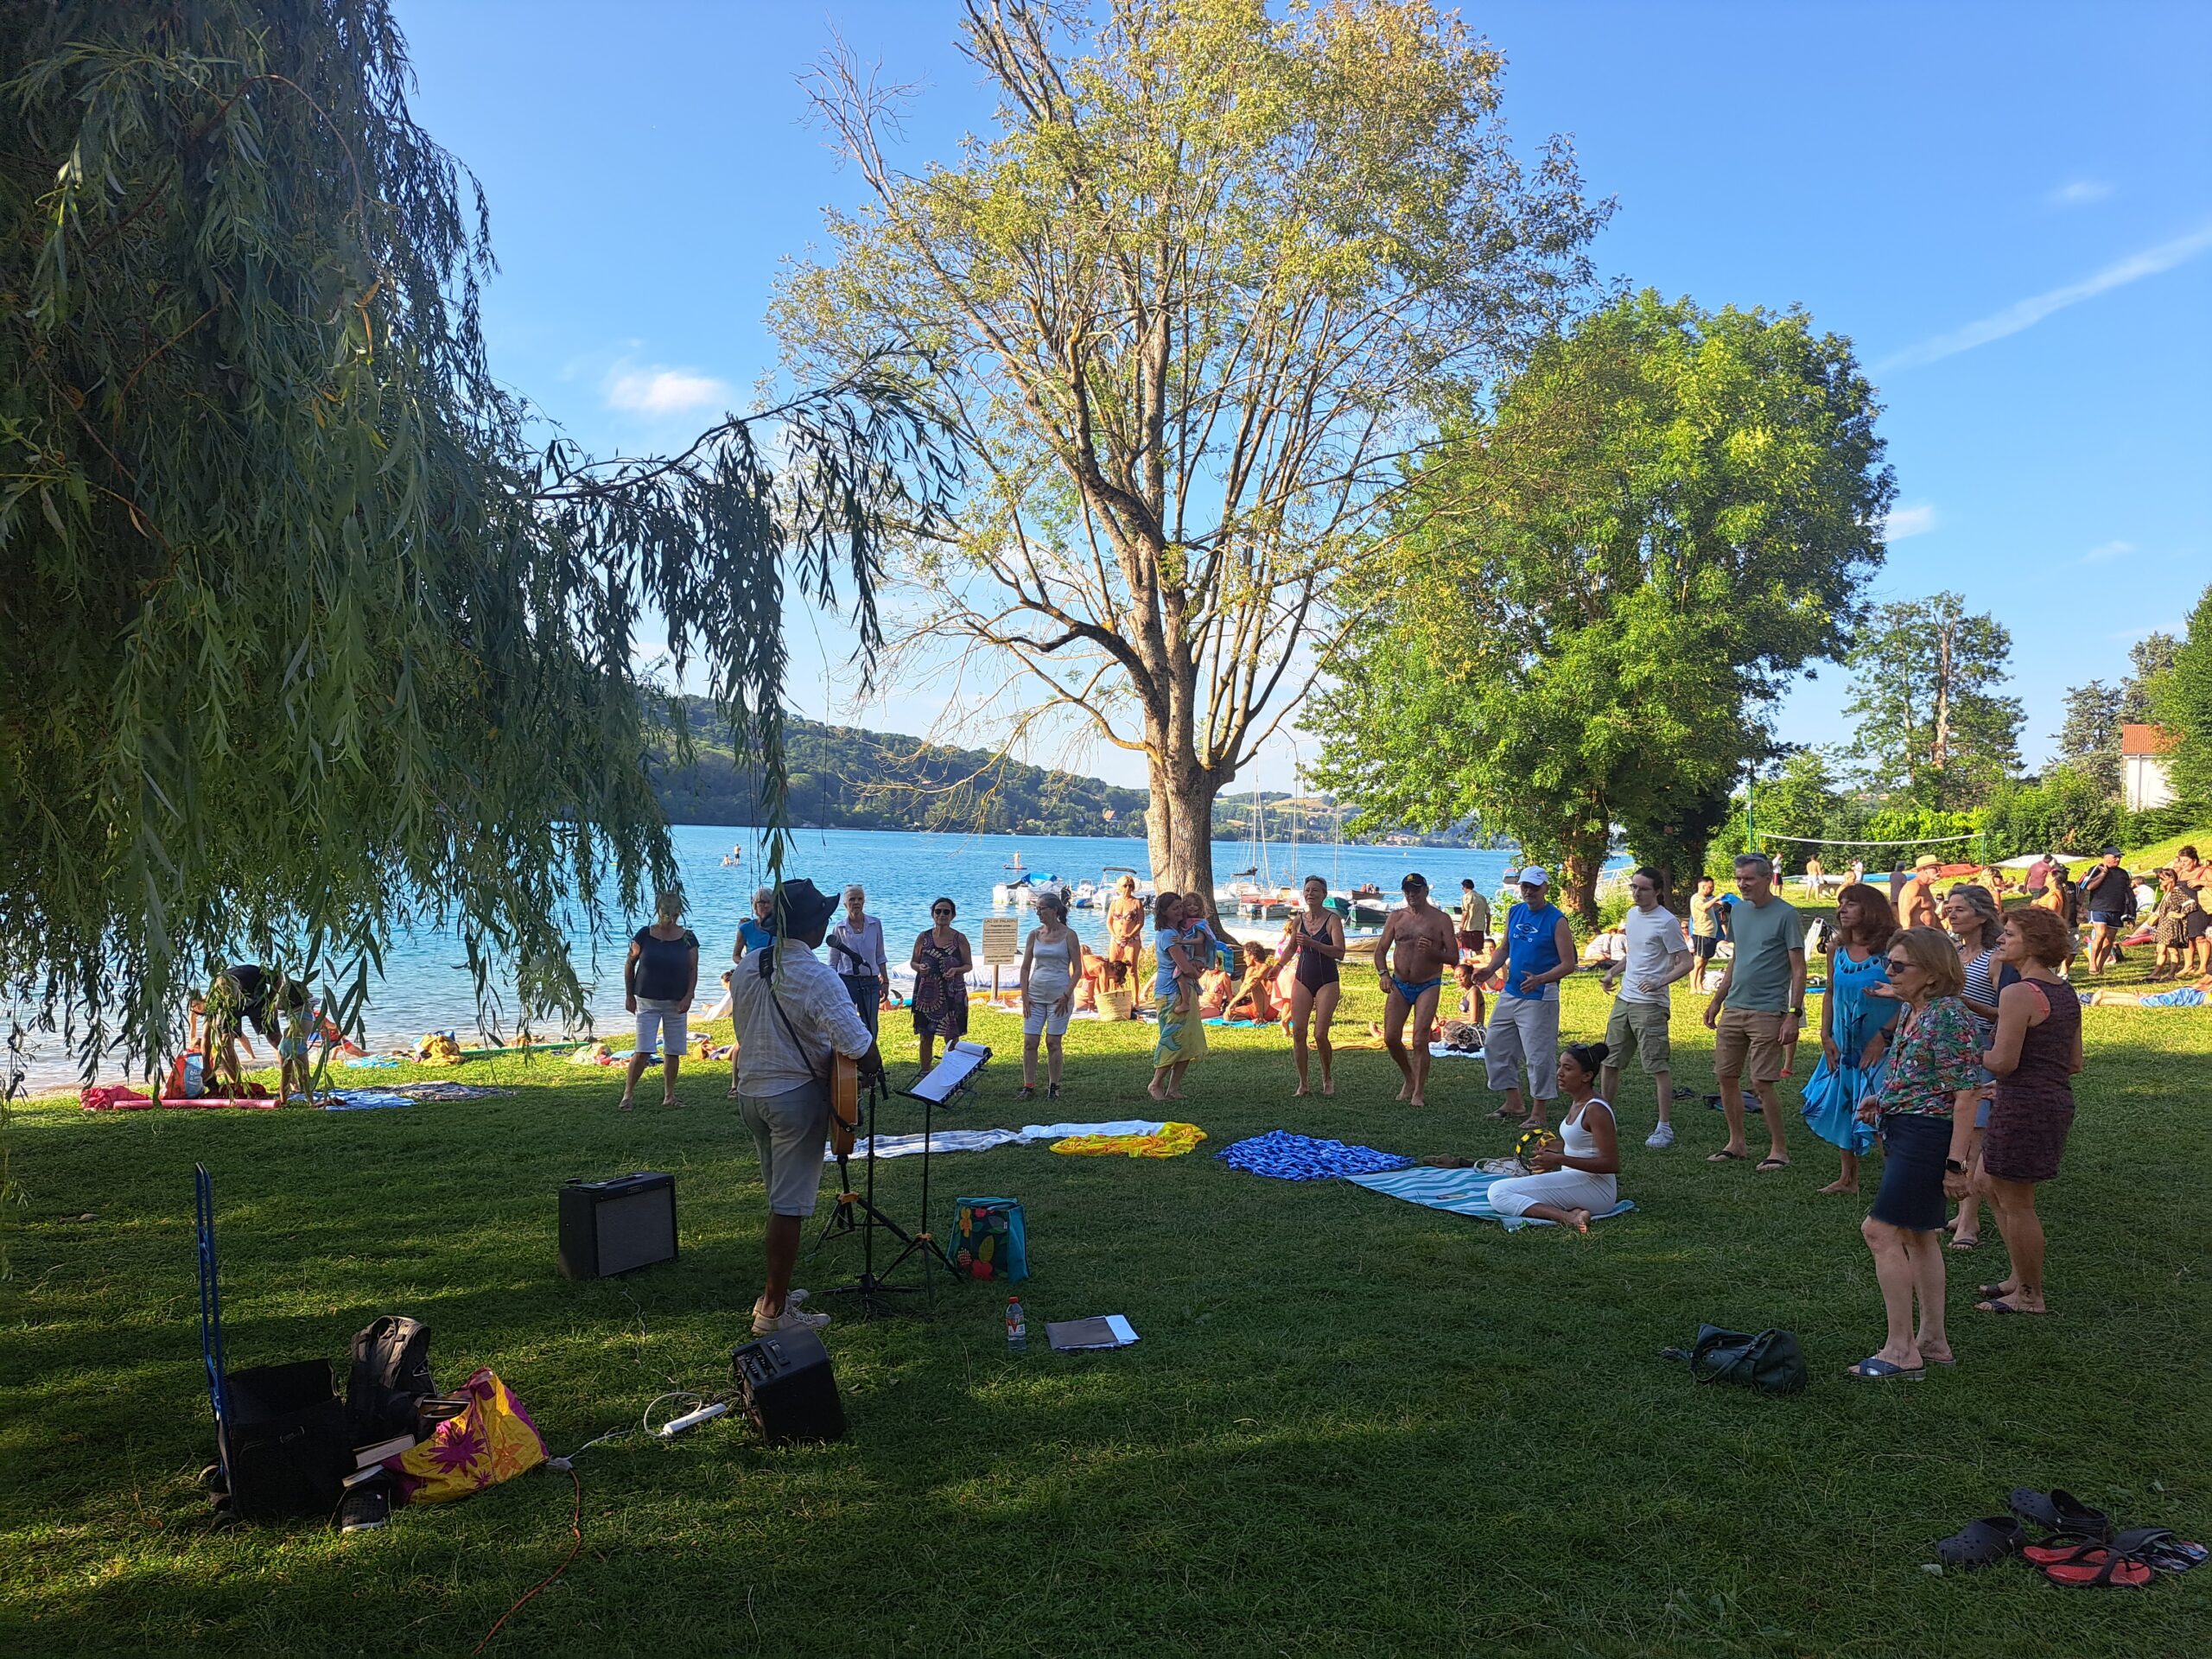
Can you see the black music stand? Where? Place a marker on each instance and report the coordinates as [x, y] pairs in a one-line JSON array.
[[857, 1212], [952, 1079]]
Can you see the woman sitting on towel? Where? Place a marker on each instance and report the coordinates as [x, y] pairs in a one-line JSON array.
[[1251, 1000], [1577, 1179]]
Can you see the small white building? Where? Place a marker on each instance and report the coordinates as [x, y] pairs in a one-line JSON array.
[[2143, 751]]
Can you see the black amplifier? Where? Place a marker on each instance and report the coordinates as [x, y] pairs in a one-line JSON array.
[[790, 1393], [617, 1225]]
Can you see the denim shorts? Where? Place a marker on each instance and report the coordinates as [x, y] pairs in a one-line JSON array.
[[1915, 1148]]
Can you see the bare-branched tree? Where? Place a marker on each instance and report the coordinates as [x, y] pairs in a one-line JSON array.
[[1191, 303]]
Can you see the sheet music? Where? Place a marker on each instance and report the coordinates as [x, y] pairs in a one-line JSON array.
[[961, 1062]]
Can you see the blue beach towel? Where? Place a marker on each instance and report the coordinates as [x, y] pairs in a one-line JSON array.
[[369, 1062], [1461, 1191], [365, 1100], [1286, 1157]]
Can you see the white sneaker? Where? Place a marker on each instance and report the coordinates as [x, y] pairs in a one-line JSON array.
[[1660, 1138], [791, 1318]]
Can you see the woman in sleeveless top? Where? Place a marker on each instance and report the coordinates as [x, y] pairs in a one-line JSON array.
[[1855, 1028], [1971, 916], [941, 963], [2036, 1050], [1315, 939], [1580, 1177], [1050, 964]]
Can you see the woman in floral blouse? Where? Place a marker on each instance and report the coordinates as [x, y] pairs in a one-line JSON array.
[[1925, 1107]]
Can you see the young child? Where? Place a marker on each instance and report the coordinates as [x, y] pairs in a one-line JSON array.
[[302, 1025]]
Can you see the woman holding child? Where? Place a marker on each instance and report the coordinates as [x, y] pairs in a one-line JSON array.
[[1183, 953]]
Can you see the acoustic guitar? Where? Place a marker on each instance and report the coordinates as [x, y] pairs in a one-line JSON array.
[[844, 1104]]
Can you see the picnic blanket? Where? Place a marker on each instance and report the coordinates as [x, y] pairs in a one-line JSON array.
[[1461, 1191], [447, 1091], [903, 1146], [366, 1100], [1283, 1156], [1173, 1141]]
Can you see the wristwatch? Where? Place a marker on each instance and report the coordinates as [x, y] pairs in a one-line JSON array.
[[1954, 1167], [1796, 1013]]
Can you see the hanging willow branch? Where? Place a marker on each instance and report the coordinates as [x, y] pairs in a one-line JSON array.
[[303, 639]]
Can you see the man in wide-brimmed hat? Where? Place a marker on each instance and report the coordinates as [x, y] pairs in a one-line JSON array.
[[1917, 905], [793, 1014]]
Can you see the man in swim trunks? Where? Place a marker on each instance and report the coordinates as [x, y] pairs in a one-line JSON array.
[[1419, 943], [1537, 951]]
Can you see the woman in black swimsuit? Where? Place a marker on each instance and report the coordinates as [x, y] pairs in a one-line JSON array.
[[1316, 937]]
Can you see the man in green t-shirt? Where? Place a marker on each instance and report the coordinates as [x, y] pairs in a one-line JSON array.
[[1758, 1008]]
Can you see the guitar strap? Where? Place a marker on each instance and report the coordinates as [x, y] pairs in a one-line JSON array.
[[823, 1076]]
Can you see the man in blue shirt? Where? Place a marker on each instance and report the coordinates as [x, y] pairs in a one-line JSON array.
[[1537, 951]]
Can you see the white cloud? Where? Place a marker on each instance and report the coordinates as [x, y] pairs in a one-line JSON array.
[[659, 391], [2079, 193], [1908, 521], [2025, 314], [2107, 551]]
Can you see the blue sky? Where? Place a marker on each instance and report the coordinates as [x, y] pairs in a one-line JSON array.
[[2008, 208]]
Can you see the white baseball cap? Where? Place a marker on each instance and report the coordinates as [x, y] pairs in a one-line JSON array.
[[1534, 876]]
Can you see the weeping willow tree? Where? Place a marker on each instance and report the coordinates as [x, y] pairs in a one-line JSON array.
[[304, 636]]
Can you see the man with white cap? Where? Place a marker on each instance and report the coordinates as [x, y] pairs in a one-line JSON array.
[[1537, 951], [1917, 905]]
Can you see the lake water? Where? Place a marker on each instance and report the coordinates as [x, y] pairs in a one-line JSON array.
[[422, 990]]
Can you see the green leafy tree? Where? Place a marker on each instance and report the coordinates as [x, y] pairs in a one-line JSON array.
[[301, 634], [2181, 698], [2148, 657], [1611, 575], [2089, 741], [1191, 296], [1931, 725]]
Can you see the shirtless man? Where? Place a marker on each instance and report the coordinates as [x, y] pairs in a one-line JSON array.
[[1419, 944], [1917, 905]]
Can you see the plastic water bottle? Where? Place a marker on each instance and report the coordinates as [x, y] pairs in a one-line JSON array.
[[1017, 1327]]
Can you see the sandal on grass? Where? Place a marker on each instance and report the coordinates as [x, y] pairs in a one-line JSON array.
[[1998, 1305], [1983, 1543], [2060, 1515], [1874, 1369], [2125, 1563], [1725, 1156], [1766, 1164], [1964, 1243], [1992, 1292]]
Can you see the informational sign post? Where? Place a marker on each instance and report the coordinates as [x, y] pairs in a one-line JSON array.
[[1001, 946]]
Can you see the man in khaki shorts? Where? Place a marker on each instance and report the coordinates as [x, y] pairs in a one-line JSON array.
[[1657, 956], [1759, 1008]]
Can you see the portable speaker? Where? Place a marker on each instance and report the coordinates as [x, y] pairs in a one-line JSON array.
[[789, 1393], [618, 1225]]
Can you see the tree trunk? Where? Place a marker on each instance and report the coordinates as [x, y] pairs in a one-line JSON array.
[[1187, 793], [1579, 871]]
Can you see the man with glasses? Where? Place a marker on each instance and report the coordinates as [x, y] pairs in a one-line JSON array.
[[1419, 944], [1759, 1009], [1657, 956], [1537, 951]]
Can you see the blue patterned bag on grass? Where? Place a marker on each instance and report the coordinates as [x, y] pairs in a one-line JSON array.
[[989, 1241]]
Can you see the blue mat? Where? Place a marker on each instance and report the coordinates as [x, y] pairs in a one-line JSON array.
[[1286, 1157], [1461, 1191], [365, 1100]]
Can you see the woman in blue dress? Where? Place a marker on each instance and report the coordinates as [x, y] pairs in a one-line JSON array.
[[1855, 1028]]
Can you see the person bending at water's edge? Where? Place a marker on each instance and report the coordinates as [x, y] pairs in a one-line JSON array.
[[1536, 951], [1315, 936], [1419, 944], [792, 1014], [1578, 1178]]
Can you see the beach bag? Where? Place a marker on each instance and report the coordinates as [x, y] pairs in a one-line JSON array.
[[391, 1372], [1769, 1361], [187, 1078], [988, 1240], [1117, 1004], [489, 1440]]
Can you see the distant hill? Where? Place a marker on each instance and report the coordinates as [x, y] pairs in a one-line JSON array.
[[843, 778]]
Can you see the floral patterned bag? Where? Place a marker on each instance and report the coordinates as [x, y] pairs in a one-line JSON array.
[[491, 1439]]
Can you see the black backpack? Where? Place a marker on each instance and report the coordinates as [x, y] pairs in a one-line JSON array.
[[1769, 1361], [391, 1371]]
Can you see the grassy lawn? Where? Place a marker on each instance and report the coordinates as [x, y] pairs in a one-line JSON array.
[[2149, 858], [1352, 1424]]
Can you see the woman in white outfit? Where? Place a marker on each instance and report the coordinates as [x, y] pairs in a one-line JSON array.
[[1050, 964], [1577, 1179]]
